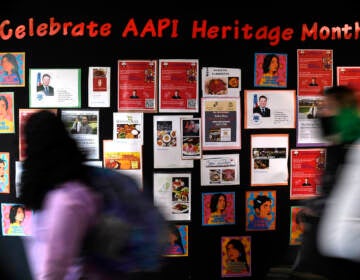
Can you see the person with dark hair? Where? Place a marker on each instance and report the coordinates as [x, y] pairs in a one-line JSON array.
[[16, 217], [61, 189], [10, 68], [176, 94], [84, 127], [217, 208], [236, 261], [270, 67], [6, 125], [45, 86], [262, 208], [262, 109], [56, 185], [175, 245]]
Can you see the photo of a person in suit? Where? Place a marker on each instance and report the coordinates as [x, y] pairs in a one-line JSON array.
[[261, 108], [45, 87]]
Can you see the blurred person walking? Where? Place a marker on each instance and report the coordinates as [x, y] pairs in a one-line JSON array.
[[340, 124]]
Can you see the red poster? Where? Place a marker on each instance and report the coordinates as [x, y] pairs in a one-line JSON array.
[[315, 71], [178, 85], [307, 166], [137, 85]]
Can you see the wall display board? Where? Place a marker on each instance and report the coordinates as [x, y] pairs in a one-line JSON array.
[[196, 76]]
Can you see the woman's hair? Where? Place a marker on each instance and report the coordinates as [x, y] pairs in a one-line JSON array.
[[3, 98], [52, 158], [260, 200], [238, 245], [13, 212], [267, 62], [214, 201], [12, 59]]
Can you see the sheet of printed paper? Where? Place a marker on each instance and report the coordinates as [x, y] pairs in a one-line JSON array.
[[137, 85], [125, 158], [220, 169], [231, 265], [281, 106], [218, 208], [167, 143], [221, 123], [308, 131], [220, 82], [128, 127], [64, 86], [315, 71], [172, 194], [87, 139], [190, 138], [24, 114], [7, 123], [178, 85], [269, 158], [306, 168], [99, 86]]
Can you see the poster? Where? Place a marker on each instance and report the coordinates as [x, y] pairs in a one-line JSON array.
[[270, 70], [24, 114], [190, 138], [166, 142], [7, 124], [297, 225], [309, 131], [221, 123], [260, 209], [236, 256], [128, 127], [218, 208], [4, 172], [178, 85], [12, 69], [55, 88], [307, 166], [99, 86], [220, 82], [83, 125], [137, 85], [178, 241], [269, 159], [220, 169], [314, 71], [15, 220], [172, 194], [125, 158], [269, 109]]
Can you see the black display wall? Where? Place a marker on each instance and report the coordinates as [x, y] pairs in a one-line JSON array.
[[233, 50]]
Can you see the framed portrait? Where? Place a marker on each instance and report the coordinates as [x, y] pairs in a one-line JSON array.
[[55, 88], [297, 225], [270, 70], [12, 69]]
